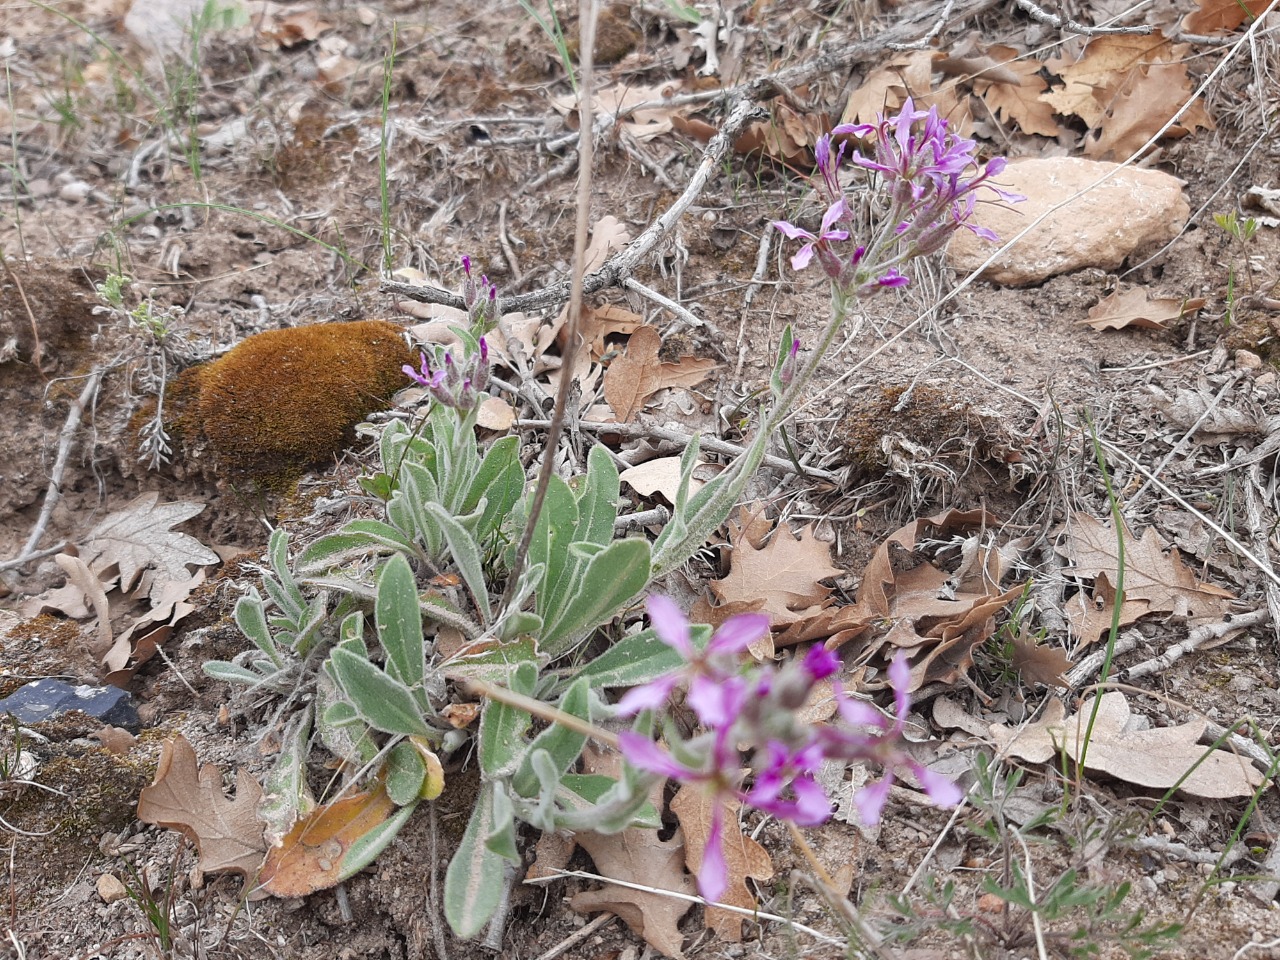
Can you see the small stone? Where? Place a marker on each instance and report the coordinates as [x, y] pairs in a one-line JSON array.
[[990, 903], [1266, 382], [39, 187], [77, 191], [110, 889], [48, 698], [1248, 360], [1098, 226]]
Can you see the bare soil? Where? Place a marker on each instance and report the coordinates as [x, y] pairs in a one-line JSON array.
[[987, 393]]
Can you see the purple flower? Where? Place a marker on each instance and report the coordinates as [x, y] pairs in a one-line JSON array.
[[431, 381], [821, 242], [710, 675]]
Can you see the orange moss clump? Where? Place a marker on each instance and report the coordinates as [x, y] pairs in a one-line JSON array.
[[286, 399]]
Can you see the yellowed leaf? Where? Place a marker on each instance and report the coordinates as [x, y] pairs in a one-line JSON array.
[[309, 858]]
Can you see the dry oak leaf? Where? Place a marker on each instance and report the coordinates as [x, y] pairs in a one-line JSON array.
[[140, 540], [599, 323], [1156, 758], [1091, 617], [743, 856], [638, 856], [885, 88], [1040, 662], [1017, 100], [227, 833], [1215, 15], [1134, 308], [784, 573], [661, 475], [309, 857], [632, 378], [1150, 573], [1109, 66], [1135, 114]]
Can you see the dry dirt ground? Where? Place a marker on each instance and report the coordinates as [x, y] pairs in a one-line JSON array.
[[244, 186]]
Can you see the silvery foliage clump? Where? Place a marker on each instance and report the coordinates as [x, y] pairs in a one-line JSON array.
[[453, 510], [159, 348]]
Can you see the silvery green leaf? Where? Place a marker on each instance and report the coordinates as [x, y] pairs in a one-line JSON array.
[[473, 883], [638, 659], [250, 617], [234, 673], [559, 745], [316, 615], [405, 772], [356, 538], [499, 483], [604, 586], [466, 554], [399, 621], [519, 623], [551, 539], [598, 505], [285, 793], [502, 727], [340, 728], [605, 805], [502, 836], [383, 702], [368, 846], [417, 489]]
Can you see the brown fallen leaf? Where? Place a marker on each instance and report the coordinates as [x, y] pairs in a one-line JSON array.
[[784, 573], [226, 832], [1091, 617], [1134, 308], [1150, 573], [1017, 99], [309, 858], [1108, 66], [638, 856], [884, 89], [1156, 758], [1040, 662], [633, 377], [1215, 15], [743, 856], [138, 538], [1135, 114]]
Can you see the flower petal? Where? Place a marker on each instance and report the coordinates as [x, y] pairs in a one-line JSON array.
[[651, 696], [739, 632], [670, 624], [643, 753]]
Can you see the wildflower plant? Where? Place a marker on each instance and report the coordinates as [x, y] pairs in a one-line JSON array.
[[431, 577]]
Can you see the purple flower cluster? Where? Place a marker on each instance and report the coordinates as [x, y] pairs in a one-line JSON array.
[[452, 384], [931, 176], [756, 710], [459, 384], [480, 299]]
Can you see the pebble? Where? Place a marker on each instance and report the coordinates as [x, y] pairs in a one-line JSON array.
[[1248, 360], [77, 191], [110, 889]]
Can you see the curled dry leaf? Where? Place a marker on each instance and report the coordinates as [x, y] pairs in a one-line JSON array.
[[1156, 758], [1134, 308], [743, 856], [659, 476], [226, 832], [632, 378], [1040, 662]]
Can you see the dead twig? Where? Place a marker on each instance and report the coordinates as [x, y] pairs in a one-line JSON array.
[[684, 316], [65, 440], [618, 267], [1075, 26], [1195, 640]]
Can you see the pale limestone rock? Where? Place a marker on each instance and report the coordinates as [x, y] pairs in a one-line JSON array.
[[110, 889], [1132, 210]]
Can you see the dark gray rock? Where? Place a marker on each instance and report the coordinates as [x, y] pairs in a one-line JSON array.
[[48, 698]]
